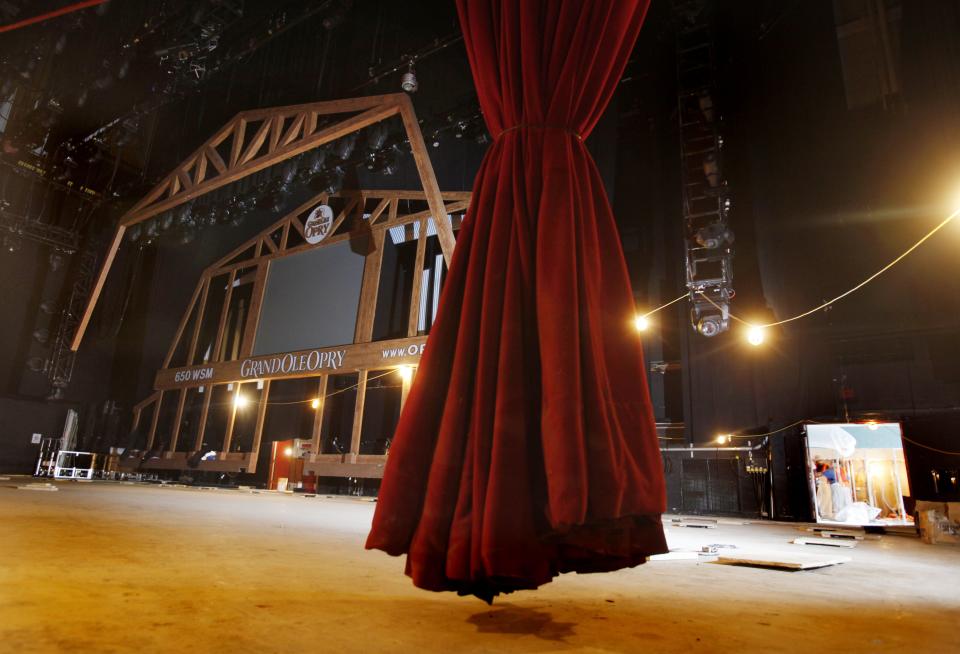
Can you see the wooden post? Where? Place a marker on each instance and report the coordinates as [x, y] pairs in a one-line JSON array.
[[204, 412], [422, 158], [416, 294], [218, 341], [258, 430], [358, 416], [153, 421], [371, 285], [175, 436], [316, 436], [256, 302], [231, 420]]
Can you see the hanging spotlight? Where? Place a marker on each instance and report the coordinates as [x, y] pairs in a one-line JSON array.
[[134, 233], [408, 82], [344, 147], [315, 403], [872, 425], [41, 336], [376, 137], [240, 401], [755, 335], [724, 438], [406, 373], [711, 324], [151, 232], [48, 307], [642, 323], [714, 235]]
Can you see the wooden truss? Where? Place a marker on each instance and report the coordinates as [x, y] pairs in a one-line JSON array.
[[261, 138], [380, 212]]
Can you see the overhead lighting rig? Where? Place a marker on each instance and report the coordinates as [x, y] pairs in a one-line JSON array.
[[708, 238]]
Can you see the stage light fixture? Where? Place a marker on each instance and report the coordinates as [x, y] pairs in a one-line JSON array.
[[288, 451], [344, 147], [642, 323], [713, 236], [755, 335], [315, 403], [240, 401], [872, 425], [408, 82], [406, 373], [41, 336], [711, 324], [724, 438]]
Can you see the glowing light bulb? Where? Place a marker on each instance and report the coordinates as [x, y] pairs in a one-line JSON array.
[[755, 336], [642, 323], [872, 425], [240, 401], [405, 372], [315, 403], [723, 438], [288, 451]]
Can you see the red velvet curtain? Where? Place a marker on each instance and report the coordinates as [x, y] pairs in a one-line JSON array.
[[527, 446]]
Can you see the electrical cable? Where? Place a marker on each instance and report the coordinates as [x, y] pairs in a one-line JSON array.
[[927, 447], [826, 304], [664, 306]]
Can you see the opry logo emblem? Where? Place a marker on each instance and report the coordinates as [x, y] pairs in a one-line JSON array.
[[318, 224], [292, 363]]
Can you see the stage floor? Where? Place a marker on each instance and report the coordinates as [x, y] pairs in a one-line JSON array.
[[110, 567]]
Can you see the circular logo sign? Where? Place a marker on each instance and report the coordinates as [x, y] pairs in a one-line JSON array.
[[318, 224]]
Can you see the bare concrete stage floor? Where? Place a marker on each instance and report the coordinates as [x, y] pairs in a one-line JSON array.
[[100, 567]]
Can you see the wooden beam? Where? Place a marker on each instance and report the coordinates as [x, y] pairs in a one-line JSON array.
[[200, 173], [258, 430], [204, 412], [416, 294], [275, 132], [427, 177], [98, 287], [196, 327], [181, 327], [358, 415], [294, 132], [218, 342], [154, 419], [256, 142], [317, 437], [253, 316], [379, 210], [214, 157], [369, 288], [235, 173], [178, 418], [236, 147], [231, 420]]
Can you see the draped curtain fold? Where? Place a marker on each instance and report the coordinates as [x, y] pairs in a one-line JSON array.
[[527, 446]]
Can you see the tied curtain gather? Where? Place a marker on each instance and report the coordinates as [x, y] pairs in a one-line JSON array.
[[527, 446]]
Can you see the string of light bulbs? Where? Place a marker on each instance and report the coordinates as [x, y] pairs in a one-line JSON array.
[[315, 401], [755, 334]]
